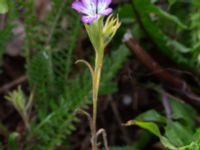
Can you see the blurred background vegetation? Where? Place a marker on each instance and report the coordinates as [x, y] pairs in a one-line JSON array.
[[151, 80]]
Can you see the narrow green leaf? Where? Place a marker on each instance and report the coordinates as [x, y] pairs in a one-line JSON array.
[[178, 46]]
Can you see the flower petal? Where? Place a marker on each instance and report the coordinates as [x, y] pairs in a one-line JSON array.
[[89, 19], [103, 4], [87, 2], [107, 2], [106, 12], [91, 6], [78, 6]]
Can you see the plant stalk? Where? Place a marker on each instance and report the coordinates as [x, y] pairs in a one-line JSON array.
[[96, 81]]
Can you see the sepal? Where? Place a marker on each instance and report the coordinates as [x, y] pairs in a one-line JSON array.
[[110, 28], [94, 31], [101, 34]]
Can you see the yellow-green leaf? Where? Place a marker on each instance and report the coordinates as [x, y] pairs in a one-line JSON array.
[[151, 127]]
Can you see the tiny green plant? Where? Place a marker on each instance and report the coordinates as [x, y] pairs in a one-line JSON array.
[[100, 35], [18, 100]]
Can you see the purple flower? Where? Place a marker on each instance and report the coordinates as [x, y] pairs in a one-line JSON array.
[[92, 9]]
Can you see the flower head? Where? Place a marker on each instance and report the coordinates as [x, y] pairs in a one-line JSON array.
[[101, 33], [92, 10]]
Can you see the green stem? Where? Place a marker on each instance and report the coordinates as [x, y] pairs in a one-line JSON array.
[[96, 81]]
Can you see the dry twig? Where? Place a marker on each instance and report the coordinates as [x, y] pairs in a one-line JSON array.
[[12, 84]]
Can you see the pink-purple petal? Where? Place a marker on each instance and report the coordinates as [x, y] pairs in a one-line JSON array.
[[88, 2], [78, 6], [106, 2], [89, 19], [95, 2], [92, 9], [106, 12]]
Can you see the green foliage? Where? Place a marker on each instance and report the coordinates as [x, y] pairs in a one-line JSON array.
[[154, 129], [150, 25], [58, 123], [51, 64], [151, 116], [171, 2], [196, 143], [184, 113], [178, 46], [3, 6], [151, 127], [12, 141], [148, 7], [48, 48], [178, 133], [48, 70], [56, 95], [124, 14], [59, 89], [155, 23], [165, 141], [50, 132], [6, 32], [18, 99], [195, 29]]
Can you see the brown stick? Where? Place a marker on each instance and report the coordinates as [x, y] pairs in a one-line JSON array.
[[160, 72], [150, 63], [10, 85]]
